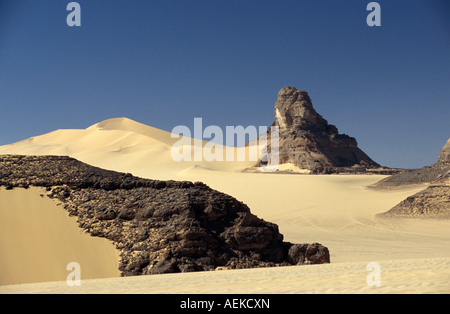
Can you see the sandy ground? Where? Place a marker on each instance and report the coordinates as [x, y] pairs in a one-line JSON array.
[[337, 211], [396, 276], [38, 240]]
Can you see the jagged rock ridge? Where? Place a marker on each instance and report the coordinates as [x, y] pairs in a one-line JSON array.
[[308, 141], [159, 226]]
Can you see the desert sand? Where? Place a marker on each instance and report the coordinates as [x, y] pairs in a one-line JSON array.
[[38, 240], [338, 211], [397, 276]]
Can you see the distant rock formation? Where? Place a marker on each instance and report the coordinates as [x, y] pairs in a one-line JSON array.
[[444, 156], [433, 174], [307, 140], [159, 226], [436, 173], [432, 202]]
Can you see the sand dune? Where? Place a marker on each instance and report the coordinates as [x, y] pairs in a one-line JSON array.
[[122, 145], [335, 210]]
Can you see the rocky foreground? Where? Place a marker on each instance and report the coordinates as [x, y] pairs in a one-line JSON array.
[[159, 226]]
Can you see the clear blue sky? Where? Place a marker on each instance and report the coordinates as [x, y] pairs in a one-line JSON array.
[[165, 62]]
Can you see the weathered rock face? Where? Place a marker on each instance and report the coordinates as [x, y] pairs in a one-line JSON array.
[[444, 156], [294, 111], [308, 141], [159, 226], [434, 201]]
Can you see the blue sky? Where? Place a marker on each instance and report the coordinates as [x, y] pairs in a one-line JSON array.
[[163, 63]]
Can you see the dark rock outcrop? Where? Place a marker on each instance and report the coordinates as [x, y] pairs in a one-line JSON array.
[[307, 141], [300, 254], [159, 226]]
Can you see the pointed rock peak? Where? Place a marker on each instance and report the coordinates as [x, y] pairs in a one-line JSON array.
[[289, 91], [444, 157], [308, 142], [294, 111]]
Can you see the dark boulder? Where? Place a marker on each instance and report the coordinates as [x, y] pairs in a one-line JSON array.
[[300, 254]]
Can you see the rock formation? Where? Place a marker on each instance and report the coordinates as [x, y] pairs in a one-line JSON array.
[[307, 141], [159, 226], [437, 173], [444, 156], [432, 202], [432, 174]]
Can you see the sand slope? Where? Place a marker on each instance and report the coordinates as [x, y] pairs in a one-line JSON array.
[[38, 239], [335, 210]]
